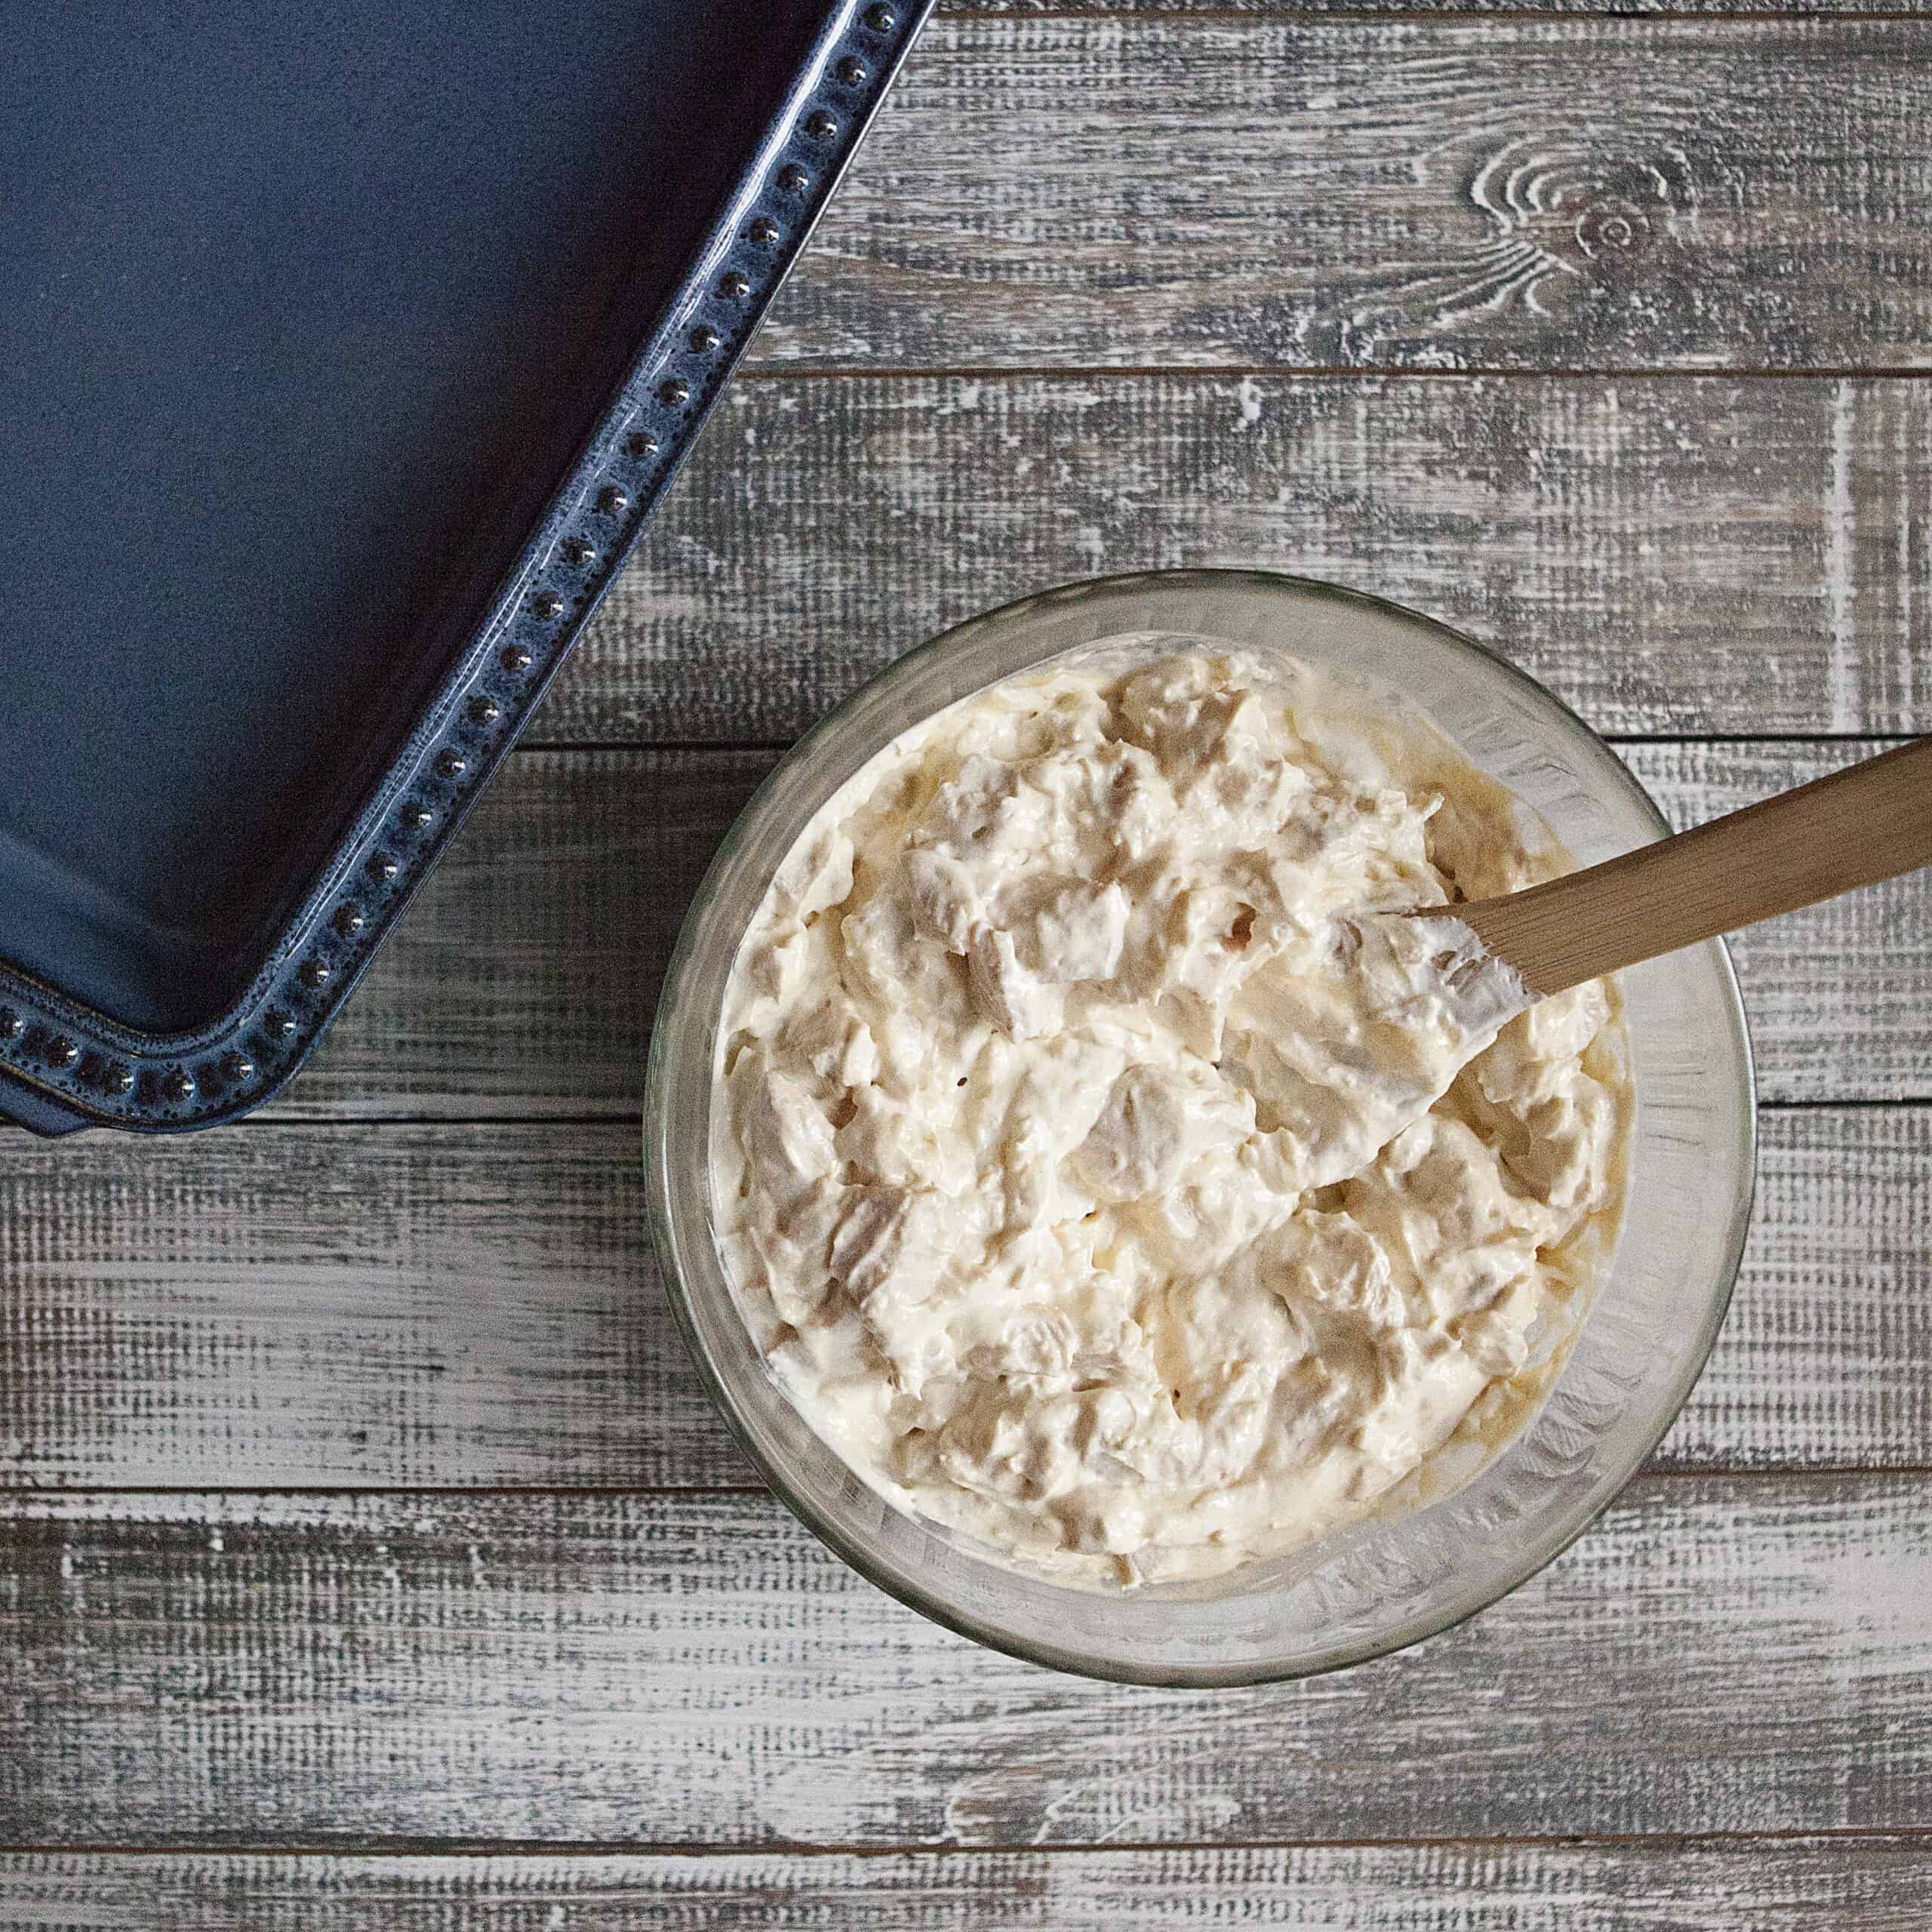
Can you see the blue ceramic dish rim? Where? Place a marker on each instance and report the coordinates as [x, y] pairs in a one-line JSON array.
[[64, 1065]]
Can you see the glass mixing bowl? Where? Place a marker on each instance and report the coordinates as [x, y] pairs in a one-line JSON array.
[[1385, 1582]]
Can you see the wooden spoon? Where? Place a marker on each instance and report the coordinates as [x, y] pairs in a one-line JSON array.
[[1869, 822]]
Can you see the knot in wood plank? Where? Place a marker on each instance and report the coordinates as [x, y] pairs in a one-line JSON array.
[[1603, 207]]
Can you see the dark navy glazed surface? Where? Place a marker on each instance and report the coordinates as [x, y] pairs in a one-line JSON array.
[[343, 352]]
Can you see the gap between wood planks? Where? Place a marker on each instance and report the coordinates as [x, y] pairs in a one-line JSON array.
[[261, 1123], [778, 747], [1375, 372], [438, 1847], [685, 1492], [1417, 13]]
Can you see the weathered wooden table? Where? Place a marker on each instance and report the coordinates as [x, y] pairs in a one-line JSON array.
[[370, 1555]]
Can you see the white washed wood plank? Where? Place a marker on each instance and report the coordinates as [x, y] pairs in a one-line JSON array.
[[1418, 10], [466, 1306], [1735, 1654], [1803, 976], [1878, 1884], [1689, 555], [317, 1307], [1828, 1341], [524, 979], [1415, 10], [1424, 193]]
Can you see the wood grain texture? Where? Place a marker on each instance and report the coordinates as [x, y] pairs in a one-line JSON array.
[[461, 1306], [307, 1307], [1417, 9], [1828, 1341], [1719, 1655], [1877, 1883], [524, 979], [1801, 975], [1686, 556], [1425, 194]]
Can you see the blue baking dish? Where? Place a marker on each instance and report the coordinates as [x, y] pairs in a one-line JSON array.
[[343, 350]]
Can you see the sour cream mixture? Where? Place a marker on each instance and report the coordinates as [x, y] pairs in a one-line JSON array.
[[1104, 1171]]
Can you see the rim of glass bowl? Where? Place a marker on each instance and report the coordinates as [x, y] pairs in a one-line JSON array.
[[884, 695]]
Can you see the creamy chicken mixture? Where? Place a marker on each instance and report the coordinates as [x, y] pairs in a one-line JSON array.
[[1105, 1172]]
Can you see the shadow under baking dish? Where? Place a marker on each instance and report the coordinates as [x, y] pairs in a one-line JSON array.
[[1381, 1584]]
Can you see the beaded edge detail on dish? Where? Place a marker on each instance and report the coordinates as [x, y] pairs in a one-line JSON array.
[[112, 1075]]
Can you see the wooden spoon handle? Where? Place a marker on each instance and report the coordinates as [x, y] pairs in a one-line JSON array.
[[1858, 825]]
